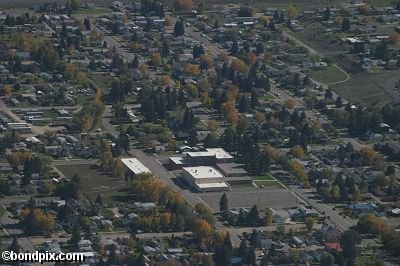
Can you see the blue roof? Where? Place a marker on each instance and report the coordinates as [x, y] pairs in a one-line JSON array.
[[362, 206]]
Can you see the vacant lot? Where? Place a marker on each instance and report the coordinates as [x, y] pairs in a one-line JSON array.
[[95, 182]]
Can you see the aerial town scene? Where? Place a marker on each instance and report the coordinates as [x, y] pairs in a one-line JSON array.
[[200, 132]]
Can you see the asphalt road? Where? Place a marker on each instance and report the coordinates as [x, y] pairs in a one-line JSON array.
[[334, 217]]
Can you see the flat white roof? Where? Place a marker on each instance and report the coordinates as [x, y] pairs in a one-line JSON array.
[[219, 153], [212, 185], [200, 154], [178, 160], [203, 172], [135, 166]]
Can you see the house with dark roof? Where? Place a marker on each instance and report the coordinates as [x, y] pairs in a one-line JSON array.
[[362, 208]]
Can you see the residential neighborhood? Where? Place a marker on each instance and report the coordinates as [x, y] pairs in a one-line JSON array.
[[151, 132]]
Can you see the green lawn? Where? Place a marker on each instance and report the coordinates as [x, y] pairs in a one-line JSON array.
[[268, 183], [367, 88], [95, 11], [267, 96], [329, 75], [265, 177]]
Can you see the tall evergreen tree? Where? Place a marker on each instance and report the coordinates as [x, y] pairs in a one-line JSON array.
[[179, 28], [223, 203], [223, 254]]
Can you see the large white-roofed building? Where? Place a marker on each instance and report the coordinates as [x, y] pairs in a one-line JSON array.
[[204, 178], [207, 157], [134, 167]]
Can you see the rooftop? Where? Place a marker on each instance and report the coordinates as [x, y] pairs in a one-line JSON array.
[[179, 160], [203, 172], [135, 166], [219, 153], [212, 185], [231, 168]]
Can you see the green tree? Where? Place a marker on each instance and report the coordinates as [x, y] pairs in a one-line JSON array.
[[223, 254], [280, 229], [346, 24], [254, 238], [253, 217], [204, 212], [268, 216], [179, 28], [309, 223], [327, 260], [75, 236], [223, 203], [349, 241], [75, 4]]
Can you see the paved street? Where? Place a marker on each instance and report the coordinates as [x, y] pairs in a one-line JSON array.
[[335, 218]]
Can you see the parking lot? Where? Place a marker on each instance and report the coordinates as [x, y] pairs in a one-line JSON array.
[[275, 198]]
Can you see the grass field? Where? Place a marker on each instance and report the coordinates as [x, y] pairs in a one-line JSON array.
[[367, 89], [329, 75], [94, 11], [263, 177], [95, 182], [268, 183]]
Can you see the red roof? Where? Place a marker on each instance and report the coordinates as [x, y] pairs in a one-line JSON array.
[[333, 246]]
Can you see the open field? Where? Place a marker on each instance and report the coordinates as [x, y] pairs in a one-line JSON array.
[[267, 176], [95, 182], [329, 75], [367, 89]]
